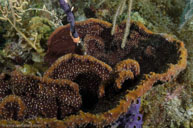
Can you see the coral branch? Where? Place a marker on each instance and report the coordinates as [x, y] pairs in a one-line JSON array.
[[16, 17], [56, 24], [32, 44], [16, 10], [122, 7], [115, 18], [12, 12], [127, 29]]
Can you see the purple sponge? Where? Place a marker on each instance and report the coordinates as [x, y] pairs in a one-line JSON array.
[[132, 119]]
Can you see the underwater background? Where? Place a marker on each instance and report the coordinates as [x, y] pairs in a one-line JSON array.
[[169, 105]]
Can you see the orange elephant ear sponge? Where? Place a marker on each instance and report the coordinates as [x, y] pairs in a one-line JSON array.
[[88, 72], [45, 97], [93, 90], [146, 59], [124, 70], [60, 41]]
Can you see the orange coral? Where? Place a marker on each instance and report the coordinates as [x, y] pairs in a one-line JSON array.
[[147, 58]]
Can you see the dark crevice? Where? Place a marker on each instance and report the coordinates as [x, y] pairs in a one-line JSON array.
[[59, 116], [88, 83], [157, 83]]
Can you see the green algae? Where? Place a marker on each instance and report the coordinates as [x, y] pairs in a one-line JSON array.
[[28, 69], [43, 27]]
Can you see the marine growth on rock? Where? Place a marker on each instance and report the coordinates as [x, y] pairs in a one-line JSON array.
[[113, 77], [38, 97]]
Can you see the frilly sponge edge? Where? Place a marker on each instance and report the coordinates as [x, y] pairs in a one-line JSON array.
[[99, 87]]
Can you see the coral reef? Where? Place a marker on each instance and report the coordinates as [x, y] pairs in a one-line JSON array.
[[25, 27], [128, 64], [165, 19], [140, 40], [60, 42], [12, 12], [161, 16], [42, 27], [147, 58], [74, 67], [174, 101], [132, 119], [12, 107], [94, 45], [41, 97], [126, 69]]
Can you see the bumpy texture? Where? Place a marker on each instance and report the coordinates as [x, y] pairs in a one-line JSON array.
[[94, 45], [4, 86], [41, 97], [147, 59], [132, 119], [75, 67], [12, 107], [60, 42], [125, 70]]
